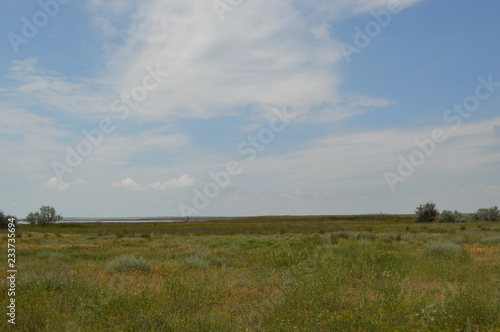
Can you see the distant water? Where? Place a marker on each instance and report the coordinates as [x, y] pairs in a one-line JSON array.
[[116, 220]]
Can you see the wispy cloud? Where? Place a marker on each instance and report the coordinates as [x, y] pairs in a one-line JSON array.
[[182, 182], [54, 92], [271, 57]]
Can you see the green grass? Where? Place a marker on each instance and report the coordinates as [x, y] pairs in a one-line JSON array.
[[320, 273]]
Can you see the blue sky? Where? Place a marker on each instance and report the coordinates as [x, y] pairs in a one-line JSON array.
[[261, 93]]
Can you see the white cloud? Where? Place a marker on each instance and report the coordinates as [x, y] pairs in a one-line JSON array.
[[321, 32], [128, 183], [267, 54], [54, 183], [363, 6], [15, 121], [356, 101], [34, 86], [264, 54], [329, 10], [182, 182], [363, 158]]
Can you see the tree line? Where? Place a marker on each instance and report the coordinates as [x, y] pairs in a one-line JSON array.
[[429, 213]]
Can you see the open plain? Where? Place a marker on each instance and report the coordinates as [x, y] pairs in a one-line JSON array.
[[317, 273]]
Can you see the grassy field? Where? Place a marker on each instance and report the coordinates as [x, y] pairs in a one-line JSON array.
[[338, 273]]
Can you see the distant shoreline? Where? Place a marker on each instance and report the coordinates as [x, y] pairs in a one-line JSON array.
[[131, 219], [206, 219]]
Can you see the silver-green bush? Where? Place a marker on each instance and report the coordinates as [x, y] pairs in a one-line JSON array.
[[491, 240], [458, 239], [445, 249], [448, 216], [126, 263], [491, 214]]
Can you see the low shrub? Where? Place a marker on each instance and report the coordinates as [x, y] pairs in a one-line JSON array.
[[343, 235], [365, 236], [201, 258], [491, 240], [125, 263], [445, 249], [448, 216], [458, 239], [491, 214], [197, 261]]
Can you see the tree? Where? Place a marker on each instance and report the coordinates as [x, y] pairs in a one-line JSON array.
[[46, 215], [4, 220], [491, 214], [426, 212], [32, 218]]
